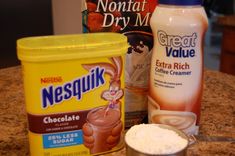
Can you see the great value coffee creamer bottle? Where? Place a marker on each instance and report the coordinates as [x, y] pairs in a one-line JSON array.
[[176, 76]]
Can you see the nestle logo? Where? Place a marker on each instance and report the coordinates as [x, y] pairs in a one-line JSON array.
[[56, 79]]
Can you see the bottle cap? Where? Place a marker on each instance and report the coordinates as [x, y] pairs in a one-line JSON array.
[[181, 2]]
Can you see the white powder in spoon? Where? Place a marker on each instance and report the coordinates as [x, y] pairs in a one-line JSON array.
[[152, 139]]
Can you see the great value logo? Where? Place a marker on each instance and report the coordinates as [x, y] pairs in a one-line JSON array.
[[178, 46]]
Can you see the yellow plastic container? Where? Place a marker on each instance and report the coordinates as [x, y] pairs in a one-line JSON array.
[[74, 93]]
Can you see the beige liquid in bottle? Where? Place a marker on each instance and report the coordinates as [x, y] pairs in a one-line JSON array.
[[176, 76]]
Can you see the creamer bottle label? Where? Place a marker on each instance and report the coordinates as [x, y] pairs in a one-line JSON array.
[[177, 72]]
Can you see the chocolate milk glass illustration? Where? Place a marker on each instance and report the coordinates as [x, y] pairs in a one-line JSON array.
[[103, 128]]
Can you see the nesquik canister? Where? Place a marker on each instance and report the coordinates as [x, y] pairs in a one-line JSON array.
[[176, 76], [74, 92]]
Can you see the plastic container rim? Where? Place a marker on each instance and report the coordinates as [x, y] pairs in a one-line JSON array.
[[52, 48]]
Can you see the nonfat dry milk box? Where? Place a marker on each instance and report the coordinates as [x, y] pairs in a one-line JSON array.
[[131, 18]]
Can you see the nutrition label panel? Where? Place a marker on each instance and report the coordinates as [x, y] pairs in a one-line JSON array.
[[159, 83]]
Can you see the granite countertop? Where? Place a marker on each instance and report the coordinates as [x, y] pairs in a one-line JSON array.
[[217, 115]]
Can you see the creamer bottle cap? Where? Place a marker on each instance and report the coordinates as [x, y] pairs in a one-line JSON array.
[[181, 2]]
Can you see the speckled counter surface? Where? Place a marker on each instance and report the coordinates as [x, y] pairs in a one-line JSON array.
[[217, 115]]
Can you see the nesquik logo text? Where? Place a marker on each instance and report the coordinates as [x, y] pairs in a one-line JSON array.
[[52, 95]]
